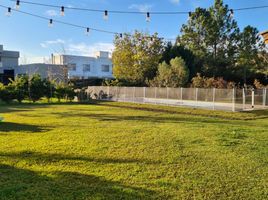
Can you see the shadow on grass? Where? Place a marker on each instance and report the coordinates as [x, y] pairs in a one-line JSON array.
[[152, 119], [15, 127], [49, 158], [25, 184]]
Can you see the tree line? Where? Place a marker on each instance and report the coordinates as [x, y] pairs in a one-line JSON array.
[[34, 88], [210, 47]]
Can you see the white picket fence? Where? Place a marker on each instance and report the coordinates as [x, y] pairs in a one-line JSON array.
[[208, 98]]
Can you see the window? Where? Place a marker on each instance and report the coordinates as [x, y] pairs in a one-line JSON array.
[[72, 67], [86, 68], [105, 68]]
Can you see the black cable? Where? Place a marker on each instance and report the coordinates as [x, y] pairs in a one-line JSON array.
[[130, 12], [69, 24]]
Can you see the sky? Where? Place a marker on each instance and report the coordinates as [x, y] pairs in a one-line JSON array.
[[36, 41]]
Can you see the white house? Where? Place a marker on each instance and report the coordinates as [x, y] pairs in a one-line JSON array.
[[83, 67]]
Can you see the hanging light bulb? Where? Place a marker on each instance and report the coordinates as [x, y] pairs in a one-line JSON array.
[[62, 11], [105, 16], [231, 13], [17, 4], [8, 13], [121, 35], [50, 24], [87, 31], [148, 18]]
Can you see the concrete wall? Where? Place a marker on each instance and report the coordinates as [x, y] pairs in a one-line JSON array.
[[58, 73]]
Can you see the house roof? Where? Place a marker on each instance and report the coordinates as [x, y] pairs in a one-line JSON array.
[[265, 36]]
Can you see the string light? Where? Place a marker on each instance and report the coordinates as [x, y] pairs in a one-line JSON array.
[[148, 18], [50, 23], [87, 31], [17, 4], [105, 16], [62, 11], [8, 13]]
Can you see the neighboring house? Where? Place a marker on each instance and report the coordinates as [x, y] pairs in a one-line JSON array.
[[63, 67], [8, 61], [83, 67]]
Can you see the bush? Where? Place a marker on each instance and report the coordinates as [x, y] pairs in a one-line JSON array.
[[203, 82], [174, 75], [6, 93], [20, 88]]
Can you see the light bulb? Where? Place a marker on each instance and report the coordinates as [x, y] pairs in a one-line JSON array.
[[105, 16], [17, 4], [62, 11], [148, 18], [8, 13], [50, 24], [87, 31]]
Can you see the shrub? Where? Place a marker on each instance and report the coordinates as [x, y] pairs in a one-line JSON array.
[[6, 93]]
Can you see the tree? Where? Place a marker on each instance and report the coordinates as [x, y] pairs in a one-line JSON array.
[[177, 50], [60, 91], [136, 57], [6, 93], [250, 51], [36, 88], [20, 88], [212, 35], [49, 89], [174, 75]]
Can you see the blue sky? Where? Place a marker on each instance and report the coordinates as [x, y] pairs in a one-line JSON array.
[[36, 41]]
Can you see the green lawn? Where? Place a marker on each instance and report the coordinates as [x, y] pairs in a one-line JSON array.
[[128, 151]]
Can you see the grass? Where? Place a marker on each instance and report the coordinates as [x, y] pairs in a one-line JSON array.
[[128, 151]]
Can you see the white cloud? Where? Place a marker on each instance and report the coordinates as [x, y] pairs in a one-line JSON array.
[[69, 47], [89, 50], [175, 1], [48, 43], [52, 13], [141, 7]]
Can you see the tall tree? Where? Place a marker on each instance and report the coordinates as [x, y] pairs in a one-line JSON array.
[[251, 53], [136, 57], [212, 35]]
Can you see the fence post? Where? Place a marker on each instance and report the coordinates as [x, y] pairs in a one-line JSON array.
[[167, 93], [253, 99], [155, 94], [214, 92], [244, 99], [144, 94], [108, 92], [264, 97], [181, 95], [233, 100], [125, 93], [134, 91]]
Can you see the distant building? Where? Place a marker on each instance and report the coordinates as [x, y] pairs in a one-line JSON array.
[[8, 61], [58, 73], [83, 67], [63, 67]]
